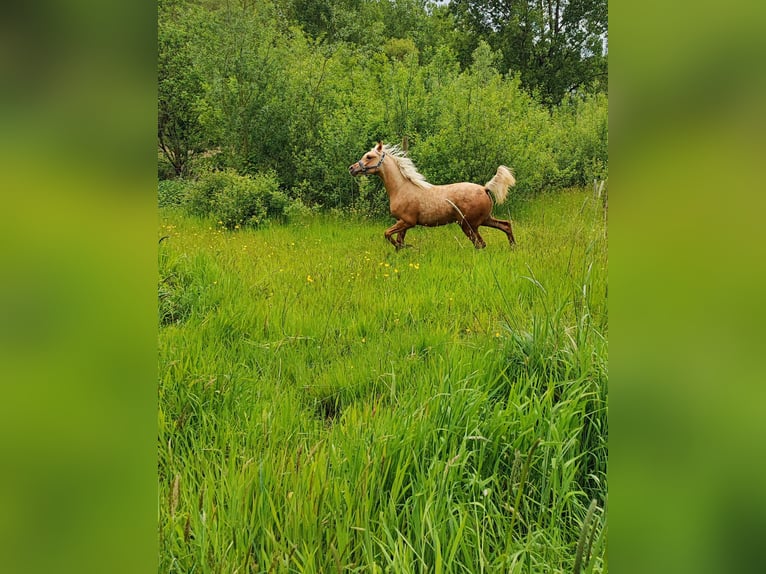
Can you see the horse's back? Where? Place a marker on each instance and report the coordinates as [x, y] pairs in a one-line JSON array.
[[462, 190], [469, 197], [453, 202]]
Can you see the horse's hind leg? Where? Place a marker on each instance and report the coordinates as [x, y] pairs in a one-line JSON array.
[[473, 234], [502, 225]]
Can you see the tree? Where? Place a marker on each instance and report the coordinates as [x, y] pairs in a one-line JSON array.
[[248, 105], [179, 132], [558, 46]]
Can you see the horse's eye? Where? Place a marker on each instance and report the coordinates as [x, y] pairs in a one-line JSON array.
[[368, 156]]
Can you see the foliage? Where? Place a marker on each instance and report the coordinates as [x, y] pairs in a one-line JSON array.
[[303, 89], [371, 200], [171, 192], [242, 55], [399, 48], [297, 211], [237, 200], [327, 404], [556, 47], [165, 169], [485, 120], [583, 143], [179, 86]]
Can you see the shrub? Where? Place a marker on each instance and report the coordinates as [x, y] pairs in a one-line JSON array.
[[206, 162], [240, 203], [200, 199], [297, 210], [581, 147], [371, 200], [237, 200], [276, 204], [171, 192]]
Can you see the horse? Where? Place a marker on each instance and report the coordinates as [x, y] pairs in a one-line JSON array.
[[413, 201]]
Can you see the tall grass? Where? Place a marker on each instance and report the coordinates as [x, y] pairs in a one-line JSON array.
[[330, 405]]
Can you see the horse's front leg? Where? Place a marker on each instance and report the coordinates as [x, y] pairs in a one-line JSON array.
[[400, 228]]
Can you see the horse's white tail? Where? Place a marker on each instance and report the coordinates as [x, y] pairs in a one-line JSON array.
[[499, 184]]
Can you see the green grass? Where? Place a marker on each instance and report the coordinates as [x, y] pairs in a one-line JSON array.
[[327, 404]]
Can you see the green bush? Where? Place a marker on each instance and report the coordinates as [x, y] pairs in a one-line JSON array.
[[240, 203], [581, 146], [200, 199], [237, 200], [276, 204], [297, 210], [204, 163], [171, 192], [371, 199], [263, 99]]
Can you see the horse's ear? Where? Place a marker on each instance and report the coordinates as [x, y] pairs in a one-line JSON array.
[[380, 146]]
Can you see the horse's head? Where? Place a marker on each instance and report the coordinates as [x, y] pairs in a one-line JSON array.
[[370, 162]]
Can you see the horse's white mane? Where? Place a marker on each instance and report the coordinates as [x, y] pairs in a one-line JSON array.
[[406, 167]]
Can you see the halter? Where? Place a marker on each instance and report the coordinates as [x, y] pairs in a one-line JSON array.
[[365, 168]]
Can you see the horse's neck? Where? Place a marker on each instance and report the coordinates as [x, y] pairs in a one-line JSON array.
[[393, 180]]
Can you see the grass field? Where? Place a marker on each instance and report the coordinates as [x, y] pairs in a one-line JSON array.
[[327, 404]]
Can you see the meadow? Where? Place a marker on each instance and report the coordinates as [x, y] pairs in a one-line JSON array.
[[327, 404]]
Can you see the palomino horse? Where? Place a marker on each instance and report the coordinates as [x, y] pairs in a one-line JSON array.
[[414, 201]]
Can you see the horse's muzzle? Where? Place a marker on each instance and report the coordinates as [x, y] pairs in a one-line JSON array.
[[354, 169]]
